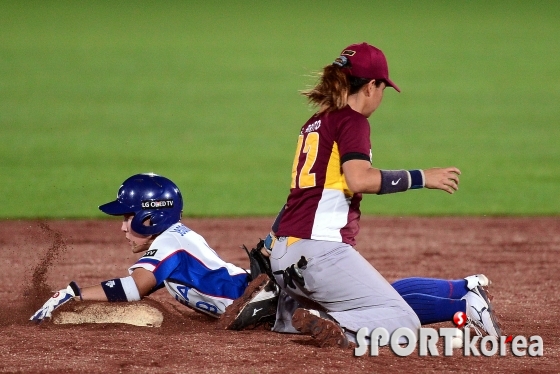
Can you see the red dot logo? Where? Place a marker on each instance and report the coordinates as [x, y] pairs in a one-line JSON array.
[[459, 319]]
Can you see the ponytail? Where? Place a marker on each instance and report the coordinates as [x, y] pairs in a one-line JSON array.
[[332, 90]]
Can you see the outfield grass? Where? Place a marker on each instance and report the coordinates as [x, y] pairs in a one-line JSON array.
[[206, 93]]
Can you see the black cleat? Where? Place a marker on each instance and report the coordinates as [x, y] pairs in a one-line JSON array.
[[256, 306]]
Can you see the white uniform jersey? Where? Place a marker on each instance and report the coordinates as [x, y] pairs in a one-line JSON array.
[[192, 272]]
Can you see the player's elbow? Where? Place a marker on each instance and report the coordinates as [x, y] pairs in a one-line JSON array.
[[355, 186], [366, 182], [361, 186], [361, 177]]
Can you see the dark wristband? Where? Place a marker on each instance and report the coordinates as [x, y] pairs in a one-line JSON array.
[[114, 290], [416, 179], [77, 292], [394, 181]]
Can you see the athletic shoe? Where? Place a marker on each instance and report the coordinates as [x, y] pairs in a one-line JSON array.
[[480, 312], [255, 307], [474, 281], [322, 327]]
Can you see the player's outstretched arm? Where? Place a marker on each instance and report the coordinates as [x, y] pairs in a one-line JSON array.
[[361, 177], [132, 288], [445, 179]]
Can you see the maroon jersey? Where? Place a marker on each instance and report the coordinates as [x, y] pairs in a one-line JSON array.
[[320, 206]]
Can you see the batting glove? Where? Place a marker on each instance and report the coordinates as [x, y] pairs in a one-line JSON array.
[[59, 298]]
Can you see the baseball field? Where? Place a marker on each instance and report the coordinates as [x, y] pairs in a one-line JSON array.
[[206, 94]]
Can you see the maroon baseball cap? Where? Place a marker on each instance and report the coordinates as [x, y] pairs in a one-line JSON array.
[[366, 61]]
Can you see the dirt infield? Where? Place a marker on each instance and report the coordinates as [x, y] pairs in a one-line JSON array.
[[520, 255]]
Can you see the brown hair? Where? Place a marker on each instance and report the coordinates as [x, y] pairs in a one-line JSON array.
[[332, 89]]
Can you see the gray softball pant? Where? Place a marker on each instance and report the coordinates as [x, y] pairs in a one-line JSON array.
[[339, 281]]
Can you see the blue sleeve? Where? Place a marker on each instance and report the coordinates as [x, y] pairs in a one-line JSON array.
[[164, 268]]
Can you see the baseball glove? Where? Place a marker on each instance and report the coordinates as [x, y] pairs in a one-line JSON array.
[[259, 263]]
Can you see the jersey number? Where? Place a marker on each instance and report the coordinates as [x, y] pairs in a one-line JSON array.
[[303, 176]]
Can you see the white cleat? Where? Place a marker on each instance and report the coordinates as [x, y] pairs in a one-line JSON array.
[[477, 280], [480, 312]]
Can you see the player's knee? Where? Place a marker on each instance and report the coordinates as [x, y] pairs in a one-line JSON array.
[[415, 322]]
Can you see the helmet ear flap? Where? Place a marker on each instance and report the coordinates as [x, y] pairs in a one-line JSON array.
[[157, 219], [137, 223]]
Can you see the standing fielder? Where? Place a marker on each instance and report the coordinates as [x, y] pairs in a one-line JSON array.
[[329, 290], [174, 256]]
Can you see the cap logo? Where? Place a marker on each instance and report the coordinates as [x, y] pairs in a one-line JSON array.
[[341, 61], [157, 204], [348, 52]]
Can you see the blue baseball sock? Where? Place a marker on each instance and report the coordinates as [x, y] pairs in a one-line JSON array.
[[433, 309], [450, 289]]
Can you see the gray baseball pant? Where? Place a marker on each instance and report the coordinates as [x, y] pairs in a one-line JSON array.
[[341, 282]]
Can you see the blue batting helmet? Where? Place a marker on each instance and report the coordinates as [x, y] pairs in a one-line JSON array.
[[147, 196]]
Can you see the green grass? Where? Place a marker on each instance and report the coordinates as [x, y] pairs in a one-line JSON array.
[[206, 93]]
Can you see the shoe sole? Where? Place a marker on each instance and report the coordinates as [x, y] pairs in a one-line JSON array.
[[232, 319], [326, 333]]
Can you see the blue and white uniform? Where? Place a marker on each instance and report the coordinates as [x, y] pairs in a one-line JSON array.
[[192, 272]]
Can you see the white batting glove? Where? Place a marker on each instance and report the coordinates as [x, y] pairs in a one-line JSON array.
[[59, 298]]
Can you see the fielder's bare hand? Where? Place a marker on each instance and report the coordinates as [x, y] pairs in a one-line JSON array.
[[445, 179]]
